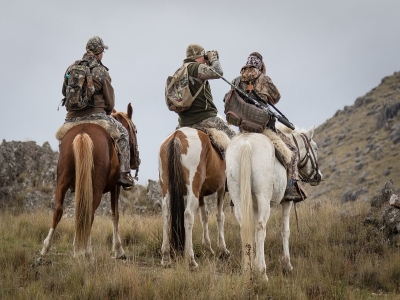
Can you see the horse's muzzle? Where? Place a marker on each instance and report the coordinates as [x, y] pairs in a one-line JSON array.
[[316, 180]]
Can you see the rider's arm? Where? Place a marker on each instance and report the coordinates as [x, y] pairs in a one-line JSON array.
[[108, 94], [266, 90], [204, 71]]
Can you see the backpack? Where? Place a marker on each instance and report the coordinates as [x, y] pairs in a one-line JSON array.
[[177, 92], [78, 86]]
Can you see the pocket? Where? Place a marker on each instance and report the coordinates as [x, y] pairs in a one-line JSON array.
[[251, 127], [233, 118]]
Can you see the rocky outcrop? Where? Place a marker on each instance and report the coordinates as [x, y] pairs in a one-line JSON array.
[[27, 174], [385, 216]]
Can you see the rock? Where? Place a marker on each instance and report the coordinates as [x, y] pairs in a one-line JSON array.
[[394, 201], [154, 195], [383, 215], [395, 133]]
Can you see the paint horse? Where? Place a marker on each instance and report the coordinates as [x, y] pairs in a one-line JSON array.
[[190, 166], [88, 163], [255, 179]]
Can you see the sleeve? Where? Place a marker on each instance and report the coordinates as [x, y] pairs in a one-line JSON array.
[[108, 94], [266, 90], [206, 72]]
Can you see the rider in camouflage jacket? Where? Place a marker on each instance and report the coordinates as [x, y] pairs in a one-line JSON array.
[[203, 112], [255, 81], [103, 105]]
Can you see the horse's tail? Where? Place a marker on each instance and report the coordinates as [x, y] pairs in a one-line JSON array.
[[83, 152], [247, 229], [176, 186]]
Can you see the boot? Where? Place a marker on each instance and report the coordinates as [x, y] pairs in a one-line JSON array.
[[125, 180], [292, 192]]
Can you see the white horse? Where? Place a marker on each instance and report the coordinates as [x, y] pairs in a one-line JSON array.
[[255, 179]]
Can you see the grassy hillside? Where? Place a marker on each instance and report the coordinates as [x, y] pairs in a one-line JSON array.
[[358, 146]]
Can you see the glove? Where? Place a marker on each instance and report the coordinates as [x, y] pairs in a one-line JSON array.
[[212, 55]]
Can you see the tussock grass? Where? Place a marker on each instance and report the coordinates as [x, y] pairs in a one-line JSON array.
[[333, 254]]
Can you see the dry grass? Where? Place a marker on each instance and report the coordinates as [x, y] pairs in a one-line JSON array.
[[333, 254]]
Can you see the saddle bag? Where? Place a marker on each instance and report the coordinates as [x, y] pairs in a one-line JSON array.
[[246, 116]]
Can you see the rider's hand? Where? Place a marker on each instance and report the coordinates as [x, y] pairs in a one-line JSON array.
[[212, 55]]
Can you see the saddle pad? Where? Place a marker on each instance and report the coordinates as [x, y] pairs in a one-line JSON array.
[[109, 127]]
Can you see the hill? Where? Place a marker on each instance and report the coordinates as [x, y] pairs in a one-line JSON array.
[[358, 146]]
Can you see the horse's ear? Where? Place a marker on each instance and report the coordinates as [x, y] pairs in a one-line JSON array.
[[130, 111], [114, 111], [310, 132]]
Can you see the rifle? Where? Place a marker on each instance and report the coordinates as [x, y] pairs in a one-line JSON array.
[[280, 117]]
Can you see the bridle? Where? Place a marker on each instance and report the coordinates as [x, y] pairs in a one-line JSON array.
[[309, 156], [131, 129]]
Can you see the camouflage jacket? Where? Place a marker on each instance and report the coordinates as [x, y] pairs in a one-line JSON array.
[[203, 106], [262, 84], [103, 99]]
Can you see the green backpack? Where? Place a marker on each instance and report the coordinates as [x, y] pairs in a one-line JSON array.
[[177, 92], [78, 87]]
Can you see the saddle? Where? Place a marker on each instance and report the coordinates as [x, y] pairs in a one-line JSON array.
[[109, 127], [219, 140]]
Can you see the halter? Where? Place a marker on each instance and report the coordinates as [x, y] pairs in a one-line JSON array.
[[310, 155]]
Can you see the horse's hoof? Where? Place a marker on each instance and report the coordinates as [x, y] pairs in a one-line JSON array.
[[122, 257], [166, 264], [225, 254], [193, 266]]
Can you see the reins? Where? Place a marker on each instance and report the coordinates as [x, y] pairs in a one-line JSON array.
[[310, 155]]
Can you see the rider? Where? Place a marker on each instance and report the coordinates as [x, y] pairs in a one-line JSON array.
[[102, 105], [203, 112], [254, 80]]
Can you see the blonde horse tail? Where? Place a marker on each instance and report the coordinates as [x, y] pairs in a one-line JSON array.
[[247, 229], [176, 186], [83, 152]]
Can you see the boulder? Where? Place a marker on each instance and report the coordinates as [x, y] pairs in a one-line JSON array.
[[383, 215]]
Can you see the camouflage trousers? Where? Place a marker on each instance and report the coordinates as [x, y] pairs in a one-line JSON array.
[[292, 170], [123, 142], [214, 122]]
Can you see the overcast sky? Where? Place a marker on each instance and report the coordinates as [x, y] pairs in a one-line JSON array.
[[321, 55]]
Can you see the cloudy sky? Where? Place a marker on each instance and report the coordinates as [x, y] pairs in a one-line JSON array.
[[321, 55]]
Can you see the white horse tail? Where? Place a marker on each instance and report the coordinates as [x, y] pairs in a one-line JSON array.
[[176, 186], [246, 200], [83, 152]]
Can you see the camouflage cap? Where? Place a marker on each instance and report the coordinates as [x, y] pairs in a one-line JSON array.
[[194, 51], [95, 45]]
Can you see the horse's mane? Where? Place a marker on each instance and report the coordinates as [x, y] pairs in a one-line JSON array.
[[125, 117], [287, 130]]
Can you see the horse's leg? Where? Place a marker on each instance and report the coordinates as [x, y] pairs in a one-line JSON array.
[[116, 247], [192, 204], [261, 217], [166, 248], [57, 214], [286, 206], [220, 222], [204, 222]]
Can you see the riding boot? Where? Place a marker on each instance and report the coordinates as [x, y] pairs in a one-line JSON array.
[[294, 191], [125, 180]]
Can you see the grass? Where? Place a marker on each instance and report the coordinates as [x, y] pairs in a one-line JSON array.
[[333, 254]]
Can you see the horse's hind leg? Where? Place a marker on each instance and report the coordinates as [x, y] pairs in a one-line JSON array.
[[204, 222], [286, 205], [116, 247], [220, 222], [192, 204], [57, 215], [261, 217], [166, 248]]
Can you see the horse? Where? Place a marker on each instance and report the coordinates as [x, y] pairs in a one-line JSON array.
[[255, 179], [88, 163], [190, 166]]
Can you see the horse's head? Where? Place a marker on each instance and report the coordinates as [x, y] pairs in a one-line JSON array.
[[308, 156], [126, 120]]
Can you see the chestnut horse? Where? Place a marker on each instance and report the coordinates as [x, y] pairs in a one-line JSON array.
[[88, 163], [190, 166]]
